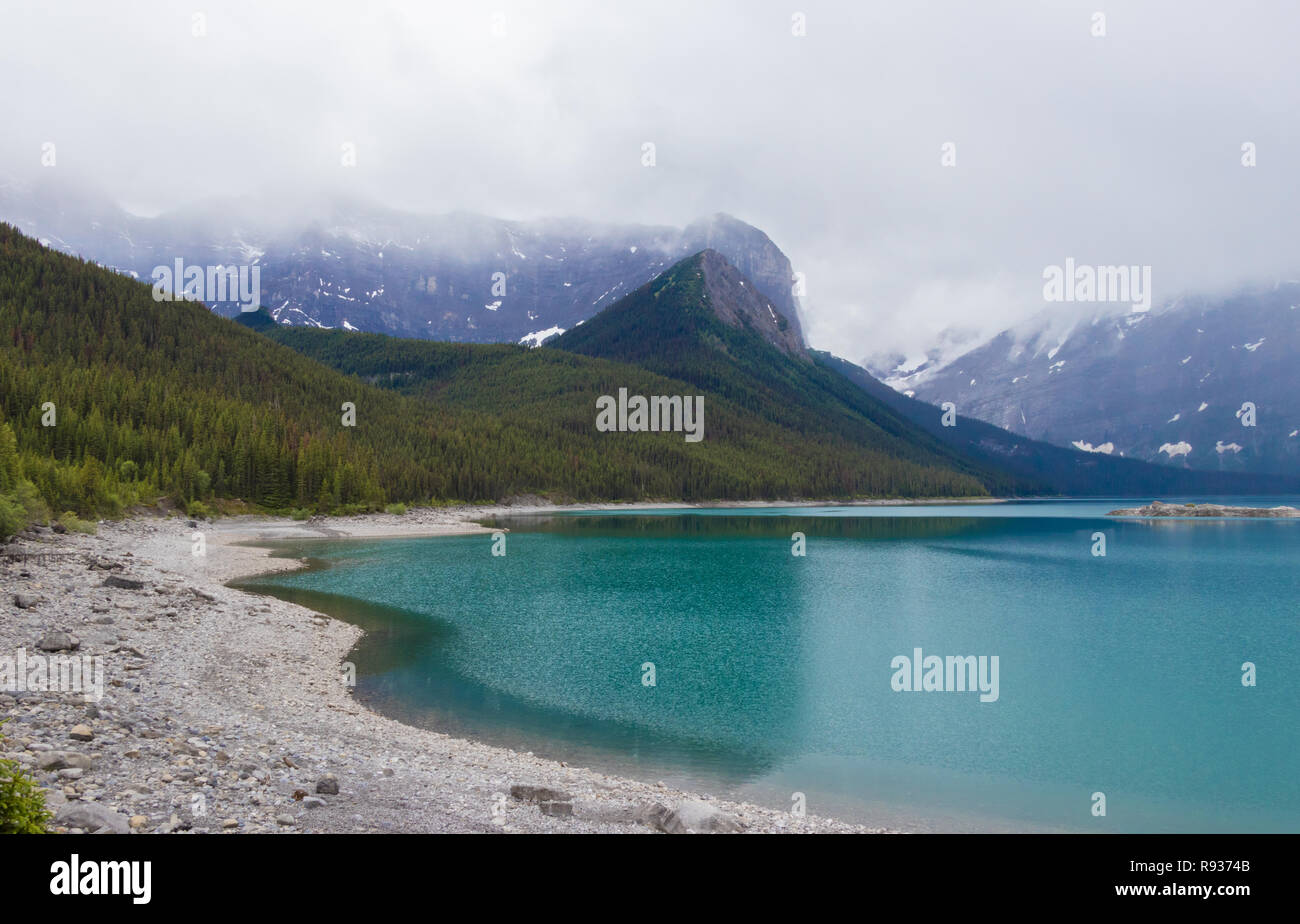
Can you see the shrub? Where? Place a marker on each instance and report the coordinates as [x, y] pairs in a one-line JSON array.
[[12, 516], [22, 804], [300, 513], [397, 509], [75, 524], [198, 510], [34, 507]]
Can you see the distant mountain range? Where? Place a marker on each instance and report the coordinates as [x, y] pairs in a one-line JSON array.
[[456, 277], [776, 423], [167, 398], [1055, 469], [702, 323], [1178, 386]]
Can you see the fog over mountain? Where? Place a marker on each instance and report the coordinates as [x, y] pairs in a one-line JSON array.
[[1206, 383], [346, 264], [1122, 148]]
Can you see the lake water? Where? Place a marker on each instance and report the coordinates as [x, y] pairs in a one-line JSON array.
[[774, 674]]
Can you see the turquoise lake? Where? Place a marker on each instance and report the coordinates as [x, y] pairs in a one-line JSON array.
[[772, 674]]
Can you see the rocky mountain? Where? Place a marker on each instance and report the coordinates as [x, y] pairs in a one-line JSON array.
[[349, 265], [700, 323], [1205, 383], [1056, 469], [169, 400], [680, 315], [771, 422]]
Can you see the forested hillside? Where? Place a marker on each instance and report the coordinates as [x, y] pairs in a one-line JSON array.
[[152, 398], [146, 399], [751, 450], [689, 324]]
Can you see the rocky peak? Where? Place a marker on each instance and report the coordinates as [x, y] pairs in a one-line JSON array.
[[737, 301], [752, 252]]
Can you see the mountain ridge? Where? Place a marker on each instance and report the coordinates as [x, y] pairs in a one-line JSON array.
[[1069, 471], [1167, 386], [167, 399], [458, 276]]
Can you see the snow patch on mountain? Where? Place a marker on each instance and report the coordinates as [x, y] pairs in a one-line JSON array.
[[536, 337]]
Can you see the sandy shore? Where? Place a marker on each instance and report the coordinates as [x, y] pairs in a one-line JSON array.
[[224, 711]]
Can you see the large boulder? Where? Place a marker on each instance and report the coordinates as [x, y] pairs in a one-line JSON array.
[[63, 760], [691, 816], [58, 640], [91, 817]]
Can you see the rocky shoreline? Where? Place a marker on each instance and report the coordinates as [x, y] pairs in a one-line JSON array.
[[225, 712], [1160, 509]]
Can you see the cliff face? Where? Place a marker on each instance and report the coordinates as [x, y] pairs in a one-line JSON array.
[[738, 302], [752, 253]]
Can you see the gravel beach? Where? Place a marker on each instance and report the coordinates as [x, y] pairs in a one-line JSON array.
[[225, 712]]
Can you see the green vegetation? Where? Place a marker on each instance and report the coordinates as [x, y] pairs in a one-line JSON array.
[[668, 326], [20, 503], [22, 805], [165, 399], [548, 398], [71, 522]]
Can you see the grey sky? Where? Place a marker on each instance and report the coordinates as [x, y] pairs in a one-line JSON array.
[[1119, 149]]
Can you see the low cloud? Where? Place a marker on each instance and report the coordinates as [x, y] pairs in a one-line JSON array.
[[1117, 149]]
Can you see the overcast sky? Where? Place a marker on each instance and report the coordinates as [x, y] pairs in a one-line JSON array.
[[1124, 148]]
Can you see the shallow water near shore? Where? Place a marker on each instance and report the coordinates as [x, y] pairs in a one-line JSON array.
[[772, 673]]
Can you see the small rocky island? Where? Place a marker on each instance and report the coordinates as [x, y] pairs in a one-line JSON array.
[[1160, 509]]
